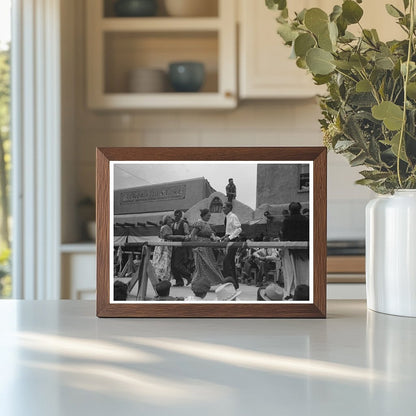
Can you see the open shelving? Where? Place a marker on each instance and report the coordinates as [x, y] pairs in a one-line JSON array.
[[117, 45]]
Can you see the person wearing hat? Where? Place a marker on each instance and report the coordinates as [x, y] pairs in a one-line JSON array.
[[273, 292], [301, 292], [267, 259], [227, 292], [163, 291], [200, 289], [206, 267], [180, 254], [162, 255], [295, 262]]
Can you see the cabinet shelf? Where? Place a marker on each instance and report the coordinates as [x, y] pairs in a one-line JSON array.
[[198, 100], [117, 46], [160, 24]]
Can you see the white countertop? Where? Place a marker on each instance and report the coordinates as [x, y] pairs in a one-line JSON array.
[[57, 358]]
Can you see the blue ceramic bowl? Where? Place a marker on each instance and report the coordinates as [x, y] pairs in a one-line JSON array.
[[186, 76], [135, 8]]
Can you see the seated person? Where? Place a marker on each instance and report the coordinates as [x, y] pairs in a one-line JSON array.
[[273, 292], [200, 287], [266, 259], [163, 291], [227, 292], [120, 290], [247, 262], [301, 292]]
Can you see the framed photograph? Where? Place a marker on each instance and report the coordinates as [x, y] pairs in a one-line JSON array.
[[211, 232]]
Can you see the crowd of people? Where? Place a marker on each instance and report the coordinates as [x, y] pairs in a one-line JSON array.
[[207, 269]]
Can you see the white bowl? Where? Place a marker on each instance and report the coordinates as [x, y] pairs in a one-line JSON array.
[[191, 8], [147, 80], [92, 230]]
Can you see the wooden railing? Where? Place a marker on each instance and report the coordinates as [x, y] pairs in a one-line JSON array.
[[238, 244], [143, 273]]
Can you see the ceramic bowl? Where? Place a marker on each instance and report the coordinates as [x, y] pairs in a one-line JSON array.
[[92, 230], [191, 8], [135, 8], [147, 80], [186, 76]]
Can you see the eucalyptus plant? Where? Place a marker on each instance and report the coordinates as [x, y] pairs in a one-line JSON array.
[[369, 111]]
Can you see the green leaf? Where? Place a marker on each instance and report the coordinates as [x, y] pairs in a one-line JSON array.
[[411, 90], [342, 25], [303, 43], [368, 36], [374, 150], [344, 65], [384, 62], [365, 182], [353, 131], [375, 35], [319, 61], [406, 4], [363, 86], [287, 33], [336, 12], [347, 37], [374, 174], [391, 114], [333, 32], [321, 79], [301, 63], [276, 4], [412, 67], [325, 42], [393, 11], [301, 15], [358, 160], [343, 145], [351, 11], [358, 61], [394, 143], [316, 20]]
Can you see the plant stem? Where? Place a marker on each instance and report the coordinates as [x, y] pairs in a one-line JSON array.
[[405, 81]]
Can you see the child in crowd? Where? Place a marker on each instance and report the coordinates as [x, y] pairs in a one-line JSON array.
[[200, 289]]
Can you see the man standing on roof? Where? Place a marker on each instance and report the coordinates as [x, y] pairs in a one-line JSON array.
[[232, 231], [231, 190]]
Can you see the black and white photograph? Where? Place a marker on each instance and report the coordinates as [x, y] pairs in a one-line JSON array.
[[211, 232]]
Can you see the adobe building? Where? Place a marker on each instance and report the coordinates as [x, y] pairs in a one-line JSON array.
[[277, 186], [139, 211], [215, 203]]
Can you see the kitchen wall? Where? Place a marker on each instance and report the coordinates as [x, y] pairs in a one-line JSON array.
[[253, 123]]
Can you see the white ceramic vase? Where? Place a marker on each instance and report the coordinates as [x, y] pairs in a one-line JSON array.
[[391, 253]]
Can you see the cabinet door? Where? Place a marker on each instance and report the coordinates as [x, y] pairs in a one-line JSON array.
[[265, 68], [266, 71]]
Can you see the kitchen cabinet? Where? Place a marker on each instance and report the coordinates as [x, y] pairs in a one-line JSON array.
[[118, 45], [78, 280], [265, 69]]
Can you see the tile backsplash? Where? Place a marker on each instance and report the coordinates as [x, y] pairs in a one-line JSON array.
[[253, 123], [257, 123]]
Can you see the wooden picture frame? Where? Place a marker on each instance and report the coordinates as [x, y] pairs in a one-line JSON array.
[[261, 157]]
